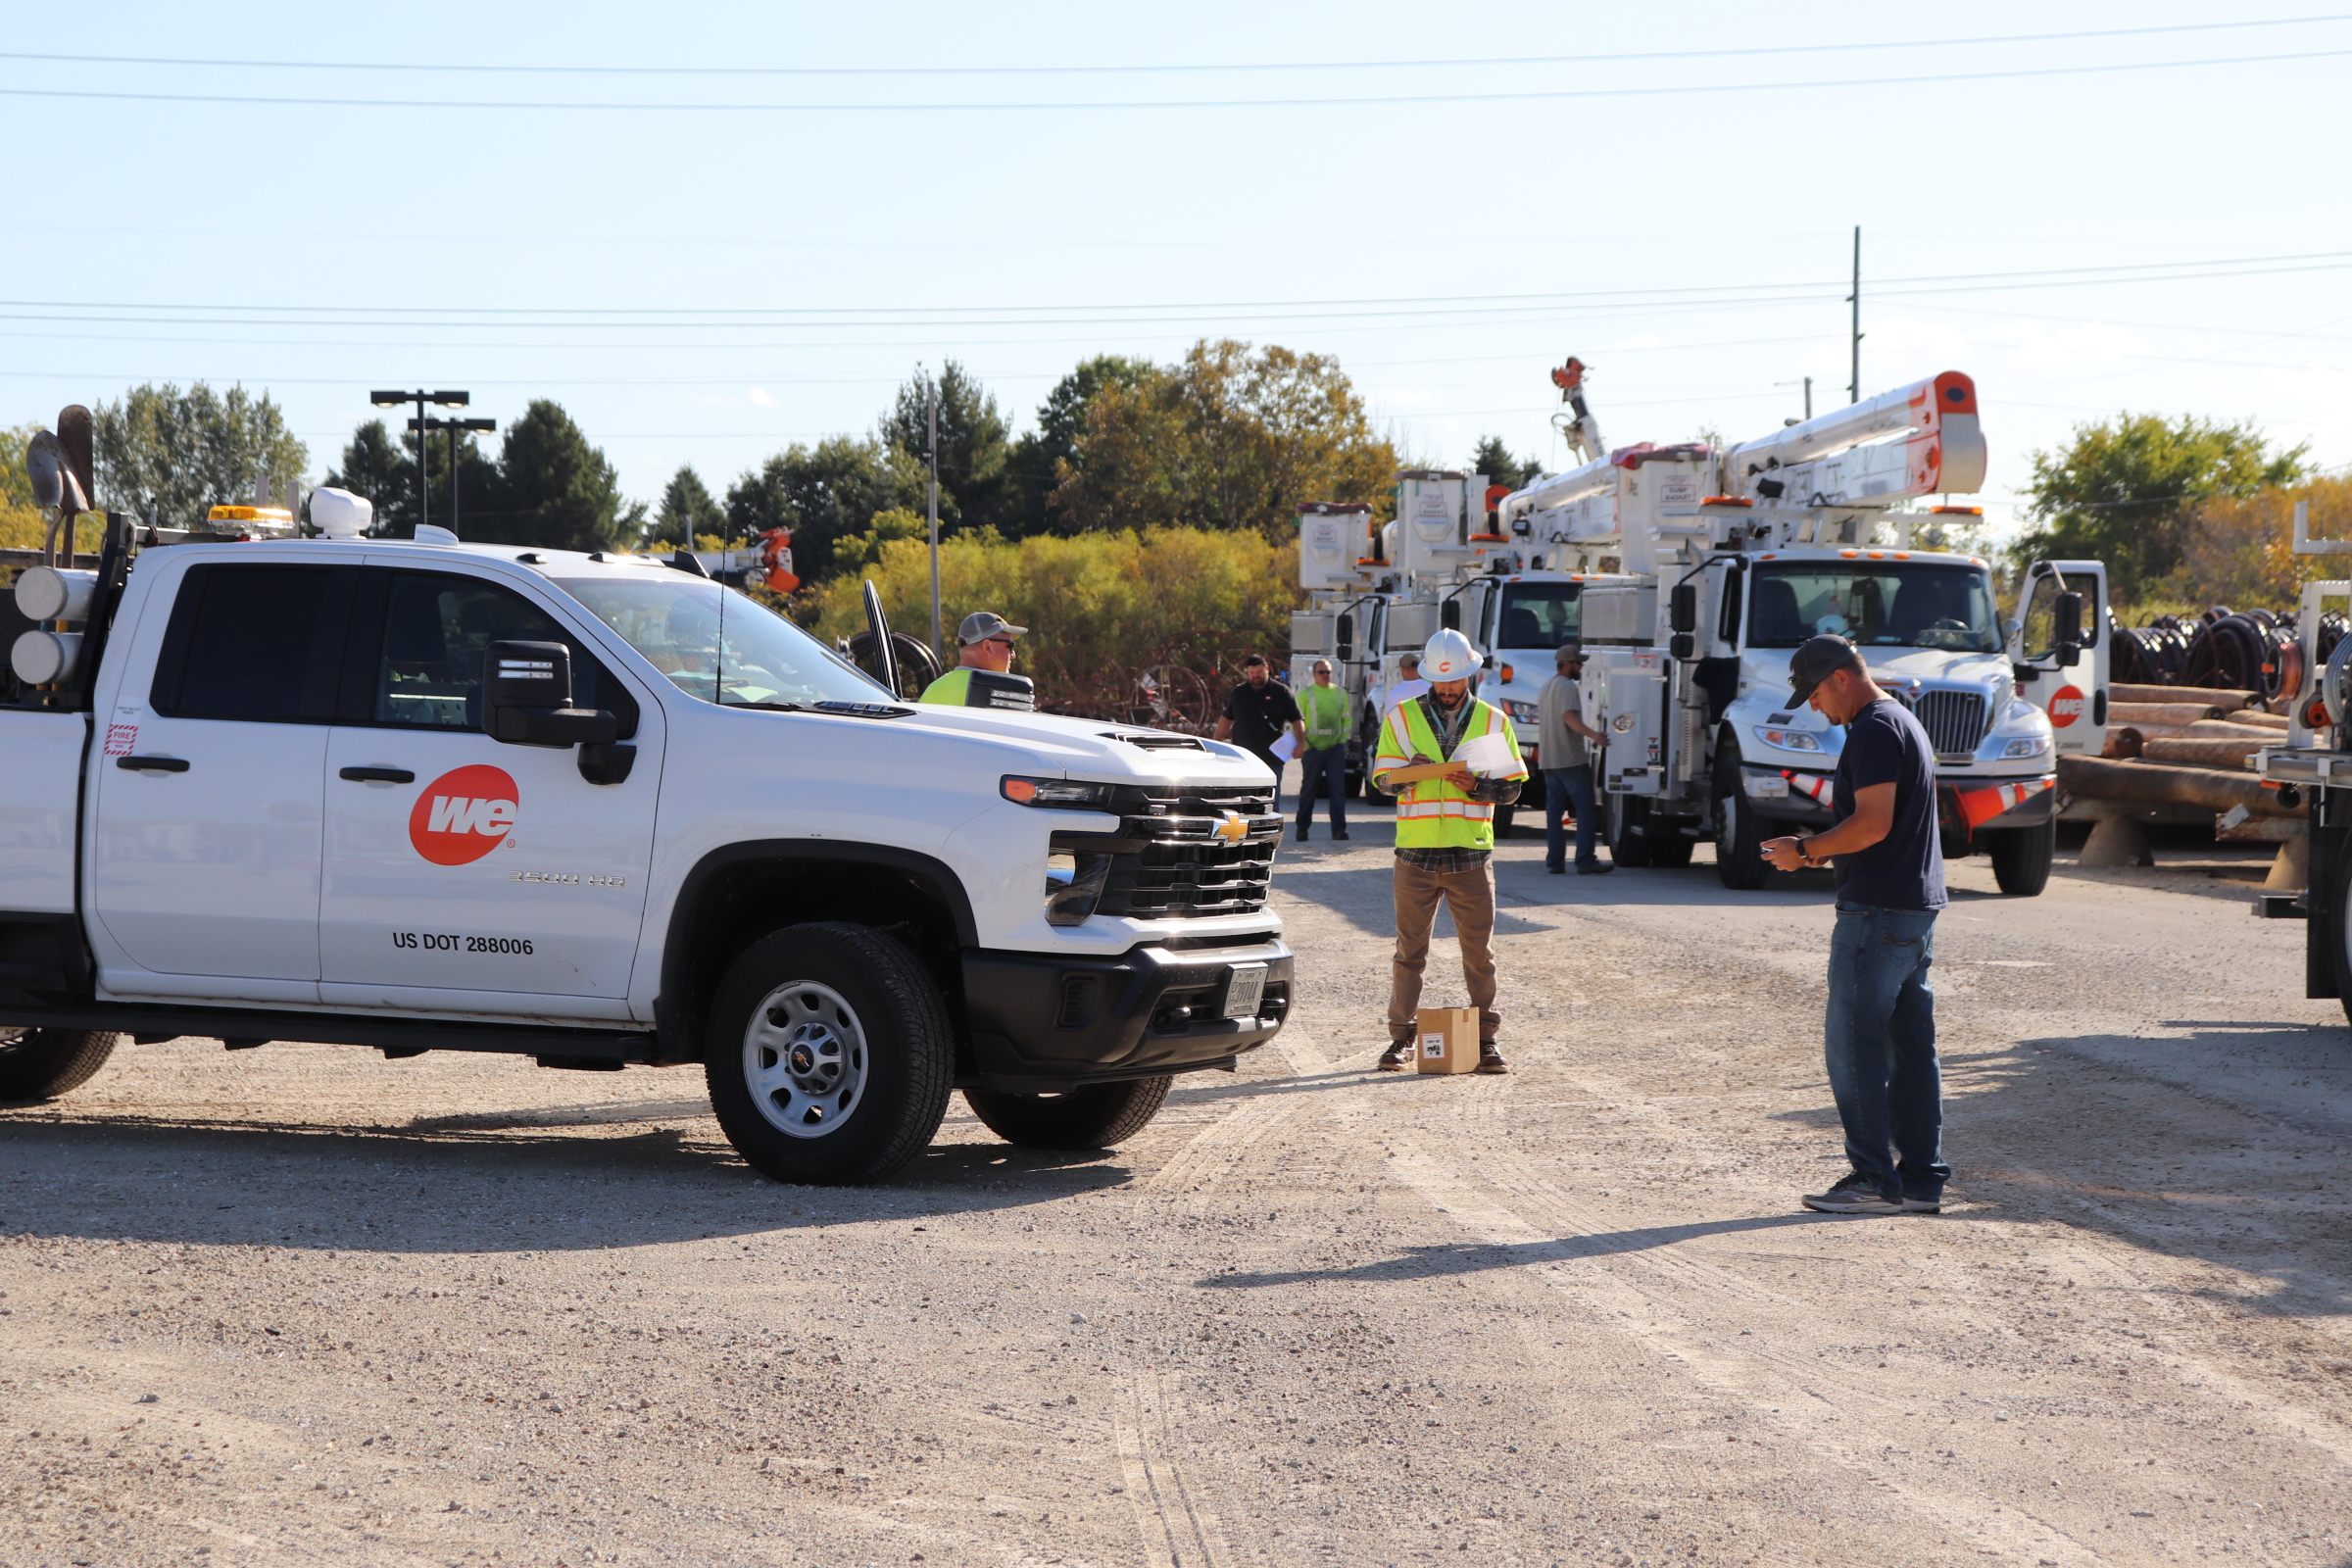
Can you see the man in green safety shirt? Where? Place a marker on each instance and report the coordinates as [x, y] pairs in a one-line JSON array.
[[1445, 834], [983, 675], [1323, 765]]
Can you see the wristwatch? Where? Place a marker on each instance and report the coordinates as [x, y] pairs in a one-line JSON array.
[[1803, 858]]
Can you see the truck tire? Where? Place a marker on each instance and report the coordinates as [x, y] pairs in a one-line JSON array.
[[44, 1063], [1629, 835], [829, 1056], [1097, 1117], [1504, 816], [2021, 858], [1739, 841]]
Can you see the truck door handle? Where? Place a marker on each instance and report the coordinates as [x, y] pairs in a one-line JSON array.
[[378, 775], [153, 765]]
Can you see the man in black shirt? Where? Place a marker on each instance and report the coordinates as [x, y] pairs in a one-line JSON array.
[[1257, 713], [1880, 1020]]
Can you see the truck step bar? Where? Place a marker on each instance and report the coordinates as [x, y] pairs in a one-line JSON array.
[[243, 1029]]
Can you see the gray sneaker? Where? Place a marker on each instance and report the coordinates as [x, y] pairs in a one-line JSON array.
[[1923, 1205], [1853, 1196]]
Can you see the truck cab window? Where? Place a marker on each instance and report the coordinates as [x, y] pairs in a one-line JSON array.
[[2042, 615], [428, 664], [1538, 614], [255, 643]]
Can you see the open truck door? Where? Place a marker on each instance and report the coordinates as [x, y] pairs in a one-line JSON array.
[[2058, 643]]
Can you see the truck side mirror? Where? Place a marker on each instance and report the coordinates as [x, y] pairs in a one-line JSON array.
[[1346, 641], [2067, 616], [1682, 611], [526, 698], [1449, 616]]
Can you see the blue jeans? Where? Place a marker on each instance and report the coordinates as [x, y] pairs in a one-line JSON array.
[[1563, 787], [1881, 1049], [1323, 773]]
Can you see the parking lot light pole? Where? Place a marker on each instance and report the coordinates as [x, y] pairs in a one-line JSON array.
[[421, 397], [453, 427]]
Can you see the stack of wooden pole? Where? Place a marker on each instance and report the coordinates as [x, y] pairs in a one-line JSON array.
[[2180, 746]]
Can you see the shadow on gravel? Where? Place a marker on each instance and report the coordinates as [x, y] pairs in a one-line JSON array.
[[1469, 1257], [483, 1186]]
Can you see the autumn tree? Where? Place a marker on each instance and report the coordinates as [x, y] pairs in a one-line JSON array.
[[1039, 455], [184, 452], [1229, 438], [2124, 492]]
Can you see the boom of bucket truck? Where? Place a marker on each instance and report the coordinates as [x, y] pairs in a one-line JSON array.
[[1778, 539]]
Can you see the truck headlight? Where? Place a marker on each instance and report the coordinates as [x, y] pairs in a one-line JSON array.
[[1787, 740], [1073, 886], [1524, 713], [1063, 794], [2027, 745]]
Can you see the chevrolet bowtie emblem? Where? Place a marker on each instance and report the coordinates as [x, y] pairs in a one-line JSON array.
[[1233, 829]]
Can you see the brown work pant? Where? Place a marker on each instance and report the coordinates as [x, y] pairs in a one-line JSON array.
[[1470, 895]]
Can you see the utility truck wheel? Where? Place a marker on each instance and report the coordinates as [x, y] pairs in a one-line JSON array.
[[44, 1063], [2021, 858], [1739, 841], [1629, 831], [828, 1055], [1097, 1117], [1504, 816]]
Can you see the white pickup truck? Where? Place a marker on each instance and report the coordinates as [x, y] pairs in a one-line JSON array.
[[599, 811]]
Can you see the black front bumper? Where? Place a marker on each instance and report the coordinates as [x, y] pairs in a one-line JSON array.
[[1042, 1022]]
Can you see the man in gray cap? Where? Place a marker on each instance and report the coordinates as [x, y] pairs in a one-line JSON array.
[[1880, 1027], [983, 675], [1561, 735]]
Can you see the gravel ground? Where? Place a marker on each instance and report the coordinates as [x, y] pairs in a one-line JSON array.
[[302, 1304]]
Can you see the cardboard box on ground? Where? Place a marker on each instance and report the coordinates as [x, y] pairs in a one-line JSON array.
[[1446, 1040]]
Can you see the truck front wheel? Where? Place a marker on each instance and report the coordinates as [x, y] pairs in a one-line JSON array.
[[44, 1063], [829, 1056], [1739, 837], [1097, 1117], [2021, 858]]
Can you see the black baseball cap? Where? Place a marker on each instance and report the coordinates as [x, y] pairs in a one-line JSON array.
[[1815, 663]]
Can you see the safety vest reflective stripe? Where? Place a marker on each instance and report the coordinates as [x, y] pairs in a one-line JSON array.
[[1449, 807]]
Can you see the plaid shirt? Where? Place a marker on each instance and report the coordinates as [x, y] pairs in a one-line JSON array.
[[1448, 861]]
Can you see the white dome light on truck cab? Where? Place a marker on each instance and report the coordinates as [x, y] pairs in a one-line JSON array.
[[1064, 793]]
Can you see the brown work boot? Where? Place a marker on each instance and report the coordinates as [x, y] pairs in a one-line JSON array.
[[1398, 1056], [1490, 1060]]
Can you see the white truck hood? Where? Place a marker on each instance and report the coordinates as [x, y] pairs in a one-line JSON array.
[[1089, 749]]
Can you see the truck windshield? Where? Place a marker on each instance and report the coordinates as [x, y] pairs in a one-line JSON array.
[[1538, 614], [1884, 604], [674, 621]]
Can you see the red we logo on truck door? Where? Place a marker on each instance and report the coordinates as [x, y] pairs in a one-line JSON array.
[[464, 815], [2065, 705]]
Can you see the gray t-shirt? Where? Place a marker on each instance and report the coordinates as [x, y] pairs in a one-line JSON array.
[[1557, 745]]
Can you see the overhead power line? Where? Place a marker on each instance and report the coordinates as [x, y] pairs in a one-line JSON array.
[[913, 106], [1222, 67]]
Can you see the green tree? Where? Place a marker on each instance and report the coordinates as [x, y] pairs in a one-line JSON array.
[[2125, 491], [1494, 460], [687, 509], [374, 466], [1229, 438], [184, 452], [825, 493], [972, 449], [552, 488], [1037, 456]]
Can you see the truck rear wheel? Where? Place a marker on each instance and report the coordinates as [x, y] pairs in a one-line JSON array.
[[1629, 822], [2021, 858], [828, 1055], [1097, 1117], [44, 1063]]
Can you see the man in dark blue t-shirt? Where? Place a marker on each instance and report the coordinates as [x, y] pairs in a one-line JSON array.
[[1880, 1020]]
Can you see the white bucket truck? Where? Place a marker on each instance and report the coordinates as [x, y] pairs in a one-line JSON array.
[[1730, 559], [603, 811]]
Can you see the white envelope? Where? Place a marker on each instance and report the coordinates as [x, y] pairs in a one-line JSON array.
[[1489, 754]]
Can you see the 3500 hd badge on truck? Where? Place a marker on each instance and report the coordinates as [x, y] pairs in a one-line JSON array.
[[601, 810]]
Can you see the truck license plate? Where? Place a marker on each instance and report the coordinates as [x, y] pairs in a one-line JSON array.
[[1243, 990]]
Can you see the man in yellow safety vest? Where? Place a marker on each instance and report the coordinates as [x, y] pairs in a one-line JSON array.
[[1450, 760]]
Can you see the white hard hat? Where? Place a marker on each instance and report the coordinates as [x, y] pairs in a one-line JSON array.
[[1449, 656]]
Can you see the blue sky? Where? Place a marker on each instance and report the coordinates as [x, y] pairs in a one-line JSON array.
[[703, 264]]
